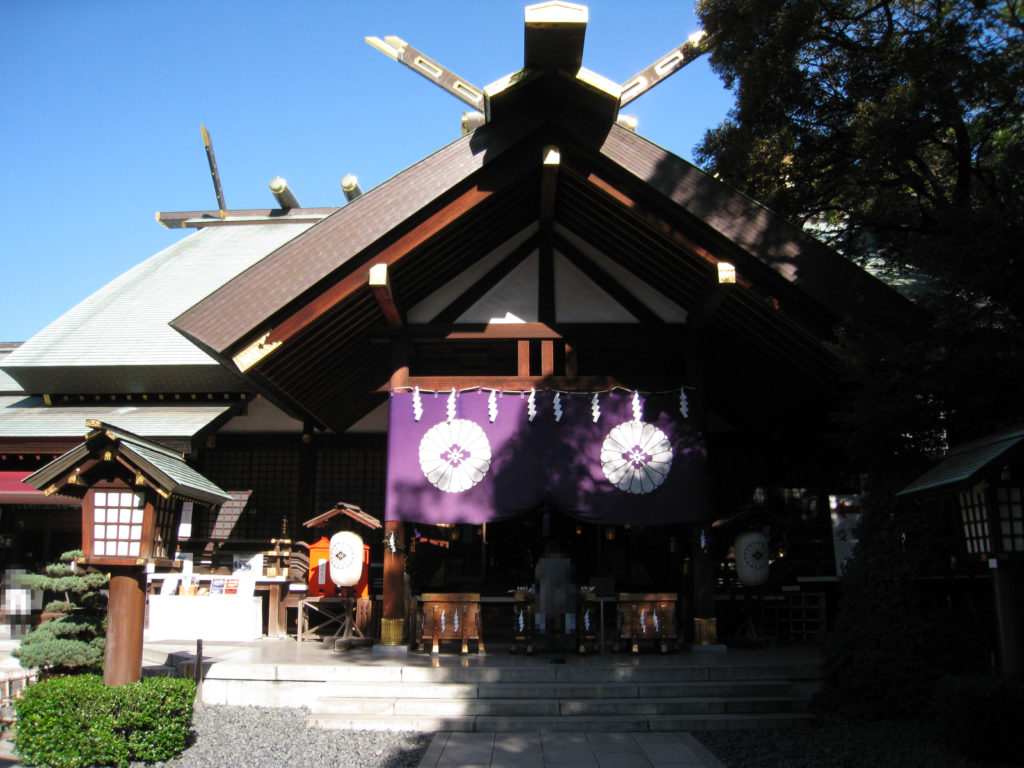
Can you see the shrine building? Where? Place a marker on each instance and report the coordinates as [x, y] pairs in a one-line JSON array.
[[550, 338]]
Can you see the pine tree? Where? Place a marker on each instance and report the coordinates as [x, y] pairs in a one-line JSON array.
[[72, 642]]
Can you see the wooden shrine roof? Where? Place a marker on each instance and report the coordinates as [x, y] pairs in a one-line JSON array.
[[551, 173]]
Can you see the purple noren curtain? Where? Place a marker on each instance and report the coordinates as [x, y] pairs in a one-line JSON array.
[[472, 469]]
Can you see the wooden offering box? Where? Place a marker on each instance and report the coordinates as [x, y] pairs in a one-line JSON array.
[[453, 616], [648, 616]]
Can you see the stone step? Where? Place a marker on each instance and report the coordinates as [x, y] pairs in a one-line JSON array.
[[553, 673], [557, 690], [609, 724], [557, 707]]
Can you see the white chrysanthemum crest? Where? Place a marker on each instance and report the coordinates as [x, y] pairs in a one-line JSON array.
[[417, 404], [492, 405], [595, 407], [638, 410], [531, 404], [684, 404], [558, 406], [450, 406]]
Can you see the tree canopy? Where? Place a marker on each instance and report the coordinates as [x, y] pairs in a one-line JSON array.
[[894, 131]]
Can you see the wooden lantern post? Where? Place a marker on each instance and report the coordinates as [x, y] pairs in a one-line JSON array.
[[133, 491]]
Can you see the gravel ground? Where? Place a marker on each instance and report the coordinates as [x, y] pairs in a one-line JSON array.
[[263, 737], [837, 743]]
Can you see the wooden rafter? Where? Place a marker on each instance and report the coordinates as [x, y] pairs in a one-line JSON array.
[[333, 295], [612, 332], [380, 284]]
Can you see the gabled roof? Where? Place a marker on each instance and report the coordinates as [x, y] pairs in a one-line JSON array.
[[968, 464], [626, 199], [161, 467], [549, 173], [118, 339]]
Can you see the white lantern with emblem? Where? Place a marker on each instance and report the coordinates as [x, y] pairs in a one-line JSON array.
[[346, 558], [751, 551]]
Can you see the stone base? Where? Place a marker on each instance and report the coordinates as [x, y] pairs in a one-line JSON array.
[[396, 650], [716, 648]]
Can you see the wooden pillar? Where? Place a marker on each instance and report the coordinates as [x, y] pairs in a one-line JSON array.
[[126, 610], [705, 623], [1008, 585], [392, 621], [393, 608]]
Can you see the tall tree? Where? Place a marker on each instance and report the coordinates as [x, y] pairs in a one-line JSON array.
[[895, 130]]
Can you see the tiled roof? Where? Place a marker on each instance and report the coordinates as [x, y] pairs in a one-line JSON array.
[[967, 464], [119, 339], [159, 463], [7, 384], [27, 417]]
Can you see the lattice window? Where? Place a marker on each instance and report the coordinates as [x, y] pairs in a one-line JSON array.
[[117, 523], [354, 476], [166, 510], [1011, 518], [273, 476], [974, 515]]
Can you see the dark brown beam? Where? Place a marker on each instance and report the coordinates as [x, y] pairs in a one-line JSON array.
[[336, 293], [380, 284], [515, 331], [547, 357], [548, 186], [523, 357], [655, 222], [519, 383]]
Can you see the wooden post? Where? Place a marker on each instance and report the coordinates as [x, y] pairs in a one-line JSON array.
[[122, 657], [705, 625], [393, 609], [1008, 584]]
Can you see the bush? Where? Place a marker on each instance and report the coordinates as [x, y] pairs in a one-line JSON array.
[[981, 717], [74, 642], [75, 722]]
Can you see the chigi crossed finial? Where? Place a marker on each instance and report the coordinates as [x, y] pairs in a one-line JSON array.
[[555, 34]]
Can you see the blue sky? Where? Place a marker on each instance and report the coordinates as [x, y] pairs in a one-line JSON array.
[[101, 104]]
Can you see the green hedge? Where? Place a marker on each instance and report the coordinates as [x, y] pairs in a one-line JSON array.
[[75, 722], [981, 717]]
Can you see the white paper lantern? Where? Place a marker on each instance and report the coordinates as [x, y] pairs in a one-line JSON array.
[[346, 558], [751, 550]]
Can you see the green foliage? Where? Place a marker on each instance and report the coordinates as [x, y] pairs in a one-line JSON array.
[[896, 633], [980, 717], [893, 130], [73, 642], [74, 722]]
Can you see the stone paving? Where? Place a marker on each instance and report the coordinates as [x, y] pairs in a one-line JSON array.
[[567, 750]]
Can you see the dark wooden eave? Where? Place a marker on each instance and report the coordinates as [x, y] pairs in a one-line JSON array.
[[305, 322]]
